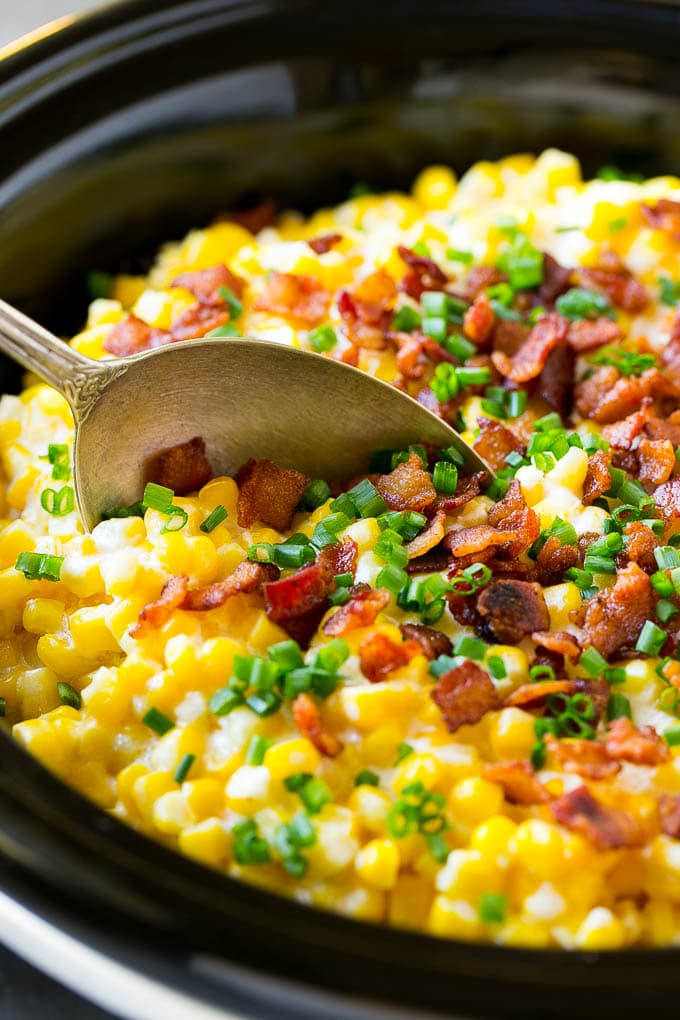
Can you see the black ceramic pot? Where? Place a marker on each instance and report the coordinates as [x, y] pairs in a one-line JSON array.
[[124, 129]]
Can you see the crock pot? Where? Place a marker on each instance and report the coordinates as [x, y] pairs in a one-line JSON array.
[[126, 127]]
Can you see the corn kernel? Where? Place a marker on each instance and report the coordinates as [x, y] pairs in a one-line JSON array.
[[43, 616], [474, 799], [435, 187], [207, 842], [511, 733], [378, 863], [454, 919], [290, 756], [600, 930]]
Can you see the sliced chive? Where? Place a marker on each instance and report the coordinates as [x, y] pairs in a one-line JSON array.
[[651, 639], [470, 647], [39, 566], [59, 502], [176, 519], [367, 778], [593, 663], [445, 477], [158, 497], [214, 518], [618, 707], [403, 751], [492, 908], [158, 722], [184, 768], [257, 748], [322, 339], [68, 695]]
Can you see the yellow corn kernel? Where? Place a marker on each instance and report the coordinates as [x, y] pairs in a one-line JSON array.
[[37, 692], [368, 707], [468, 874], [21, 485], [520, 932], [454, 919], [365, 533], [207, 842], [265, 633], [61, 655], [561, 600], [43, 616], [492, 837], [516, 665], [410, 902], [558, 169], [205, 797], [14, 539], [222, 491], [80, 574], [14, 589], [540, 848], [532, 483], [91, 341], [171, 813], [38, 737], [570, 470], [377, 863], [379, 747], [474, 799], [417, 768], [511, 733], [600, 930], [434, 187], [659, 922], [90, 631], [181, 657], [248, 788], [125, 781], [215, 659], [147, 788], [370, 806], [127, 289], [290, 756]]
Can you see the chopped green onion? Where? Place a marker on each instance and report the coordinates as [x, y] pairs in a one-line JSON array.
[[257, 748], [599, 564], [665, 610], [406, 320], [184, 768], [581, 578], [459, 346], [445, 476], [235, 306], [316, 494], [249, 847], [228, 329], [314, 794], [465, 257], [496, 667], [367, 499], [541, 672], [58, 503], [522, 263], [593, 663], [436, 327], [392, 577], [225, 701], [672, 736], [516, 403], [618, 707], [651, 639], [215, 517], [470, 647], [39, 566], [670, 291], [59, 457], [326, 531], [666, 557], [158, 497], [579, 303], [403, 751], [177, 518], [322, 339], [492, 908], [264, 703], [68, 695], [366, 778], [134, 510], [158, 722]]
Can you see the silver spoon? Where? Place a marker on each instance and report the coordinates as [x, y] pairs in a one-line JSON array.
[[245, 398]]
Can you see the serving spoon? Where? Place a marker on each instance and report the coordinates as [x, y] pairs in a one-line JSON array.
[[245, 398]]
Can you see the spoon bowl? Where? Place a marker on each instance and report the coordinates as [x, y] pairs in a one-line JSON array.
[[244, 398]]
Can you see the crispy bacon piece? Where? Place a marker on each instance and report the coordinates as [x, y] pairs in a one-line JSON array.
[[477, 280], [464, 695], [205, 284], [640, 545], [656, 459], [555, 384], [622, 434], [367, 311], [341, 557], [495, 441], [408, 487], [431, 563], [533, 695], [527, 363], [155, 614], [324, 243], [300, 593], [615, 616], [509, 336], [640, 745], [195, 323], [183, 468], [554, 558], [589, 334], [479, 319], [411, 357], [421, 273], [268, 493], [663, 215], [379, 656], [586, 758], [607, 397], [361, 611], [467, 489], [307, 718], [512, 514], [246, 578], [555, 281], [669, 811], [657, 428], [613, 279], [131, 336], [598, 478], [255, 218], [670, 356], [429, 538], [559, 641], [519, 782], [606, 827], [513, 609], [432, 642], [667, 498], [475, 541], [302, 299]]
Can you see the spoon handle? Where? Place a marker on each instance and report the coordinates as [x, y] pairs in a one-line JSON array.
[[39, 351]]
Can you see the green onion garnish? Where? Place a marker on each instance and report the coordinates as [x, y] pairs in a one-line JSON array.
[[406, 320], [249, 847], [322, 339], [316, 494], [579, 303], [651, 639], [470, 647], [445, 476], [215, 517], [672, 736], [68, 695], [57, 502], [177, 518], [158, 722], [39, 566], [492, 908], [59, 457], [618, 707], [403, 751], [257, 748], [366, 778], [670, 291], [184, 767], [235, 306], [158, 497], [593, 663], [522, 263]]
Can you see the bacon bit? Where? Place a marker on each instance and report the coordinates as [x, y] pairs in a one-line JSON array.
[[555, 384], [589, 334], [513, 609], [422, 273], [341, 557], [429, 538], [295, 296], [324, 243], [509, 336], [477, 280], [464, 695], [615, 616], [607, 397], [664, 215], [432, 642], [467, 489], [554, 558], [532, 355], [379, 656], [667, 498], [247, 577], [431, 563], [640, 545], [155, 614], [598, 479], [555, 281], [367, 311], [305, 590], [519, 782], [361, 611], [131, 336], [475, 540], [606, 827], [195, 323], [307, 718], [558, 641], [533, 695], [613, 279], [640, 745], [670, 356], [623, 433], [669, 429], [254, 219], [495, 442], [268, 493], [479, 319], [205, 284], [513, 515], [669, 810], [183, 468], [408, 487], [411, 358], [586, 758], [656, 459]]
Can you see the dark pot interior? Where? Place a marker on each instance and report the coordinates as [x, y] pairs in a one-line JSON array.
[[150, 117]]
